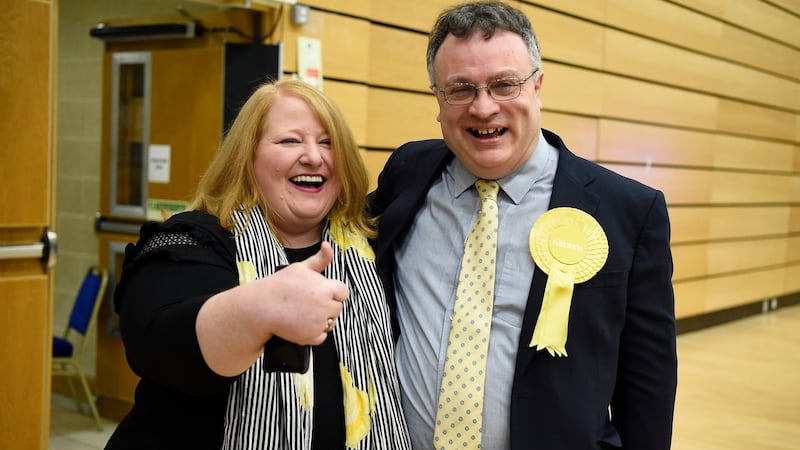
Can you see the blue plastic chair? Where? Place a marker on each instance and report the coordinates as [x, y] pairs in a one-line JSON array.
[[68, 348]]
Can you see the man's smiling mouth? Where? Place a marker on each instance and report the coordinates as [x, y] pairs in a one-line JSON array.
[[487, 132]]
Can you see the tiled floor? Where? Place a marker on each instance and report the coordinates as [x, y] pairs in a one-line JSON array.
[[73, 430]]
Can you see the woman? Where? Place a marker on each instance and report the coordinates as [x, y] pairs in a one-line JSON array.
[[201, 293]]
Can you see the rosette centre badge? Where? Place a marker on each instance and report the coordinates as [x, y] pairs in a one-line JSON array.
[[570, 247], [567, 245]]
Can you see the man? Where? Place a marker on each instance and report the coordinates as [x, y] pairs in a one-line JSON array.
[[581, 348]]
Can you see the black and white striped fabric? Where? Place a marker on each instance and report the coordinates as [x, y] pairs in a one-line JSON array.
[[275, 410]]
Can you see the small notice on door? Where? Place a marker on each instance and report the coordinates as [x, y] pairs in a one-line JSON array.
[[158, 167]]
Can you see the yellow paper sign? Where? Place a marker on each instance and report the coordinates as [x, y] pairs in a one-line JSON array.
[[570, 247]]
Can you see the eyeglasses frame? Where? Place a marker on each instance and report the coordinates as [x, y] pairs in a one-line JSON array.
[[436, 89]]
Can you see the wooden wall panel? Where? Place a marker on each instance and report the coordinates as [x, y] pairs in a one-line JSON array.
[[797, 152], [741, 46], [727, 257], [755, 15], [788, 5], [717, 293], [690, 298], [794, 219], [620, 141], [638, 100], [647, 59], [738, 117], [704, 223], [689, 261], [793, 250], [352, 7], [791, 278], [794, 182], [679, 26], [658, 19], [397, 59], [352, 100], [397, 117], [739, 289], [752, 154], [414, 14], [748, 221], [689, 224], [567, 39], [578, 132], [375, 160], [572, 40], [705, 187], [345, 46], [594, 10], [650, 59], [580, 91], [738, 188], [698, 99], [680, 186], [571, 90]]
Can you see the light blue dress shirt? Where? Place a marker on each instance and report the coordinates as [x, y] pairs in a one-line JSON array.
[[428, 263]]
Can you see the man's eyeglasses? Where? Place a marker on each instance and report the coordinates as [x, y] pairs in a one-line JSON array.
[[501, 90]]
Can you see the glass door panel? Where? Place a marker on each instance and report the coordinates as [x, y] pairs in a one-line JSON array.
[[130, 132]]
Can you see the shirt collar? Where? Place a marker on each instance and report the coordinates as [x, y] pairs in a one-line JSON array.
[[517, 183]]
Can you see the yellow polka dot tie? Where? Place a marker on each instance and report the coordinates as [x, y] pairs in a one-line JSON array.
[[459, 414]]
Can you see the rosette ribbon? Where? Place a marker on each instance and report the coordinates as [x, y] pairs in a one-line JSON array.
[[570, 247], [551, 327]]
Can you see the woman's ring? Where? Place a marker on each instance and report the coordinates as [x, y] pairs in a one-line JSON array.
[[329, 325]]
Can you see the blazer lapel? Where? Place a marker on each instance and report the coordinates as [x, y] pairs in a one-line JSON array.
[[571, 188]]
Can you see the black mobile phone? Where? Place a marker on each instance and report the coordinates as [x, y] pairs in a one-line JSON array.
[[281, 355]]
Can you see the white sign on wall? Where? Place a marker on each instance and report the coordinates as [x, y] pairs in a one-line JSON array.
[[158, 166], [309, 61]]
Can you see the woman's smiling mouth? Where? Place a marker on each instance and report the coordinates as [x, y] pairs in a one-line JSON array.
[[313, 181]]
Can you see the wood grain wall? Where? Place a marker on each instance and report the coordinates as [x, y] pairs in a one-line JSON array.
[[700, 99]]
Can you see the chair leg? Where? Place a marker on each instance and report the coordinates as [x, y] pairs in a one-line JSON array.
[[89, 398], [72, 390]]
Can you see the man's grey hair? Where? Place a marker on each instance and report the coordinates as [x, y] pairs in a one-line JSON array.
[[485, 17]]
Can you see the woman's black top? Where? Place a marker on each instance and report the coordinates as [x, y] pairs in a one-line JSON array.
[[180, 403]]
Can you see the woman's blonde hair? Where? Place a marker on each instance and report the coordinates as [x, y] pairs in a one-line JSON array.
[[230, 181]]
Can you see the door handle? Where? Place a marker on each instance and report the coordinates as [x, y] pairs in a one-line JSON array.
[[45, 249]]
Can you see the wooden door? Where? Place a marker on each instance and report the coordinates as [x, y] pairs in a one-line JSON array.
[[27, 30], [185, 116]]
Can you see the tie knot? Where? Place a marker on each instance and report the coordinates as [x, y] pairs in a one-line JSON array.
[[487, 189]]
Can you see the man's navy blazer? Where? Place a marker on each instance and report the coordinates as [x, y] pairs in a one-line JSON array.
[[616, 388]]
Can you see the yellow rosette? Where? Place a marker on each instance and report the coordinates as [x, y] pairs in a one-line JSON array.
[[570, 247]]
